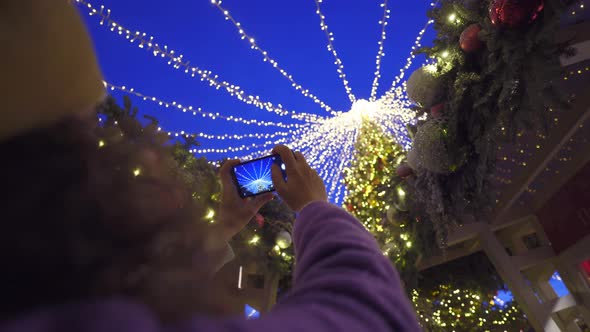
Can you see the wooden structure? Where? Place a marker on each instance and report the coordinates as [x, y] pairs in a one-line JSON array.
[[545, 196]]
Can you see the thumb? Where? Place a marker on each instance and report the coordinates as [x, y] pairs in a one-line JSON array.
[[277, 179]]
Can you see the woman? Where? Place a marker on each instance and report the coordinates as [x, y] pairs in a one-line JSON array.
[[103, 237]]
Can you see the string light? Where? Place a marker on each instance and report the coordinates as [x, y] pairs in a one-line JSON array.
[[180, 63], [328, 142], [241, 148], [244, 136], [266, 58], [338, 61], [197, 110], [580, 6], [210, 215], [410, 59], [348, 151], [255, 239], [380, 53], [573, 73]]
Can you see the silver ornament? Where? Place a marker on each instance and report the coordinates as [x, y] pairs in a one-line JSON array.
[[424, 87], [283, 240], [429, 149]]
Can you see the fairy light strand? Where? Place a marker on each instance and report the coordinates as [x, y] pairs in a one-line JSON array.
[[244, 147], [380, 54], [198, 110], [410, 59], [332, 49], [417, 45], [337, 181], [267, 58], [328, 142], [231, 149], [180, 63]]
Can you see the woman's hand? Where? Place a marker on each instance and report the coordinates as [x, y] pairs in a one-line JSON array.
[[303, 185], [235, 212]]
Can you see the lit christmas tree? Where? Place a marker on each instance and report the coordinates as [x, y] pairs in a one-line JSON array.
[[447, 308], [378, 198], [371, 175]]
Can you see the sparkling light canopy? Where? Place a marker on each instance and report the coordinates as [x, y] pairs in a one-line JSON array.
[[328, 142]]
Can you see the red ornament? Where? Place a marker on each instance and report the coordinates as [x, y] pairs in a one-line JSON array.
[[469, 39], [514, 13], [403, 171], [437, 110], [259, 219]]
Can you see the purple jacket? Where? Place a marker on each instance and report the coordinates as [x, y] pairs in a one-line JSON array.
[[342, 283]]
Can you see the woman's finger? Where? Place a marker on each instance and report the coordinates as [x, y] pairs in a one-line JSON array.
[[225, 172], [278, 180], [287, 156]]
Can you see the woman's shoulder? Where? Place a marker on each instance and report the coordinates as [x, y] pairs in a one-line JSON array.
[[115, 314]]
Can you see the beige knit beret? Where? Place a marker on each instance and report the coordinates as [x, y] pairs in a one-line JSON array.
[[48, 68]]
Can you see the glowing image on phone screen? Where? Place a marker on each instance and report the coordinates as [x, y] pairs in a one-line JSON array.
[[254, 177]]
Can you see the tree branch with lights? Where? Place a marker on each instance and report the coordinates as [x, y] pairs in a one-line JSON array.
[[458, 295], [265, 242], [493, 76]]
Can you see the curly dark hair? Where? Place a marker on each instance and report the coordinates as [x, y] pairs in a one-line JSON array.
[[91, 211]]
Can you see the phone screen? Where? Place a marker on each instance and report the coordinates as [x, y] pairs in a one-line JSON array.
[[254, 177]]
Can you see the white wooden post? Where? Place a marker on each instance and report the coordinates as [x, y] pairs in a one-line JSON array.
[[510, 273]]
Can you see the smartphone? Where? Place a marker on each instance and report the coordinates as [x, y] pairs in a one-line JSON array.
[[253, 177]]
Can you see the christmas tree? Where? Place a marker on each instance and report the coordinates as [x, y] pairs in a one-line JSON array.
[[371, 175], [379, 198], [449, 308]]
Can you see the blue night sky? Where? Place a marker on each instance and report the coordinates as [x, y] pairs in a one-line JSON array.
[[288, 30]]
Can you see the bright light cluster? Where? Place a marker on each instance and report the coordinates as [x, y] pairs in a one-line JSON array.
[[410, 59], [327, 142], [329, 145]]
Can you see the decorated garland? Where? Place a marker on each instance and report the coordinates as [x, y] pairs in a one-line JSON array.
[[494, 74]]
